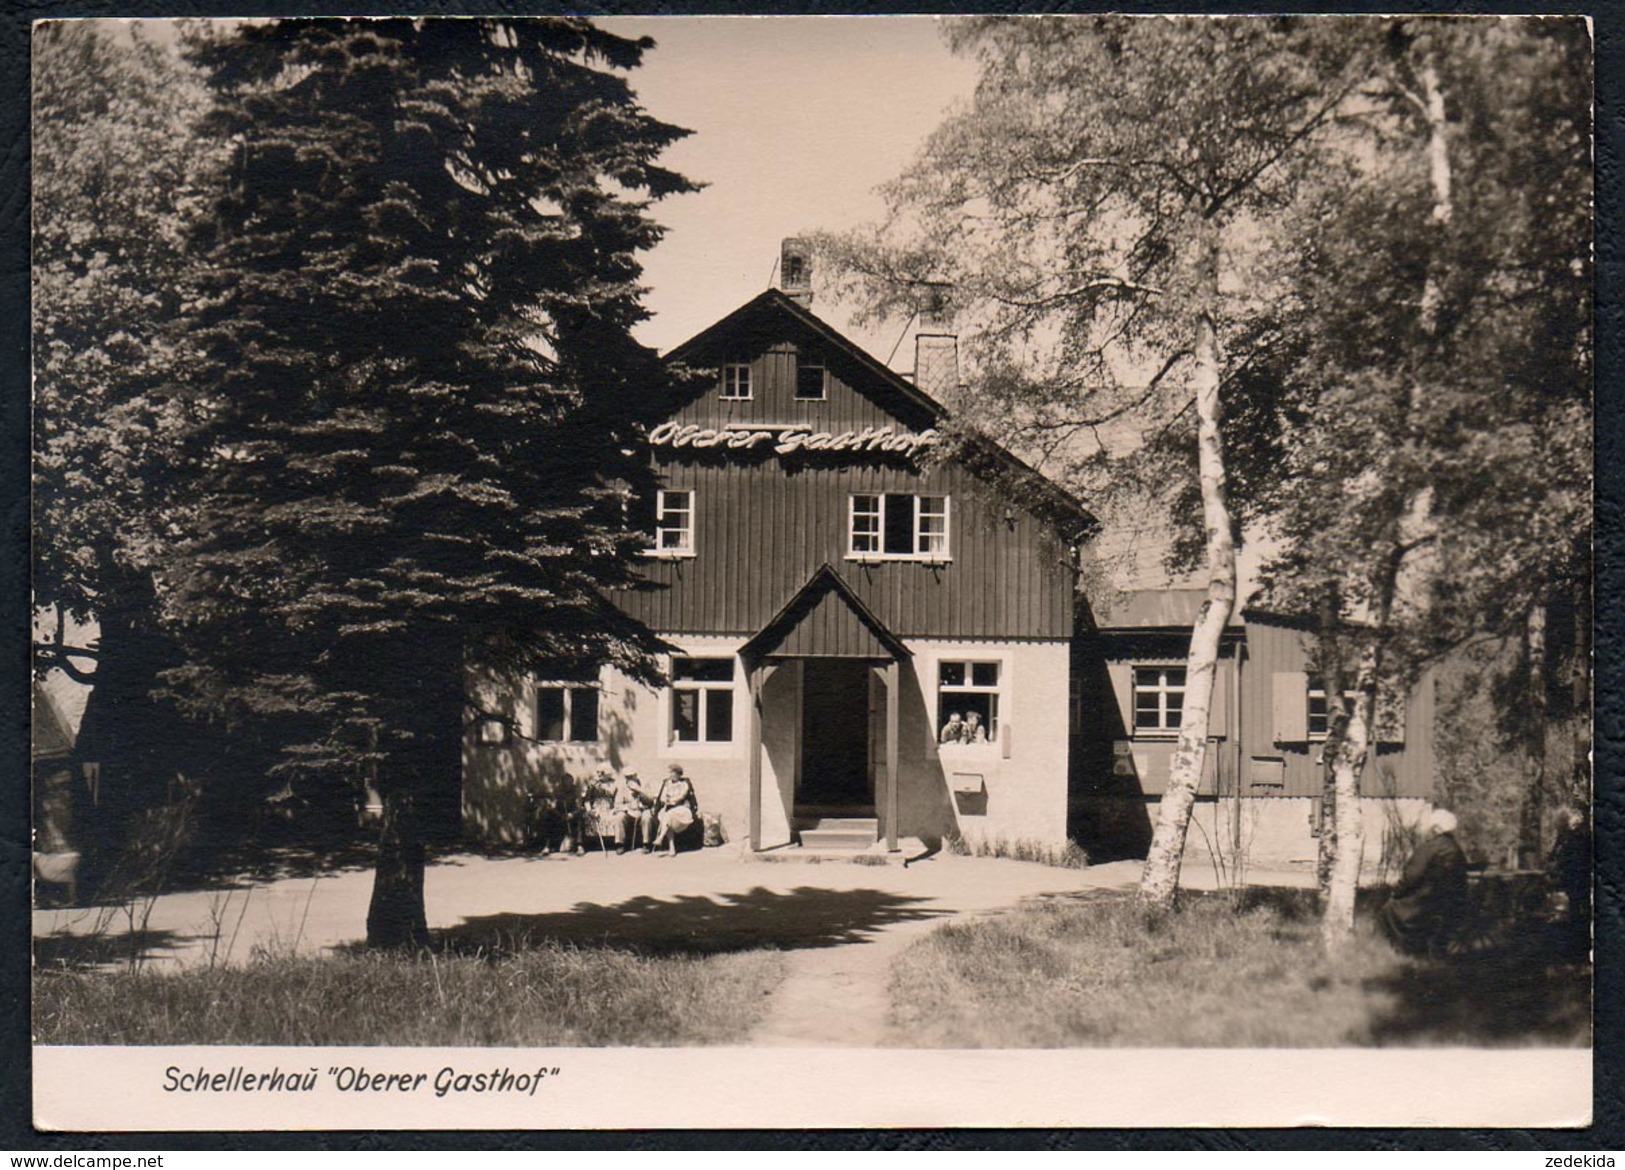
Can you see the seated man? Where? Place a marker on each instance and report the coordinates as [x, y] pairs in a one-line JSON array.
[[1429, 905], [953, 731], [556, 821], [632, 814]]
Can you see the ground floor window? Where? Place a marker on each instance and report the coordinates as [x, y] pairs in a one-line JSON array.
[[967, 702], [1159, 698], [702, 700], [566, 714]]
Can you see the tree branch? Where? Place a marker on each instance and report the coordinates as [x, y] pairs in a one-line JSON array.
[[1096, 285]]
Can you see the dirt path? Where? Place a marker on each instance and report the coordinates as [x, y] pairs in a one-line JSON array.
[[839, 996], [836, 997]]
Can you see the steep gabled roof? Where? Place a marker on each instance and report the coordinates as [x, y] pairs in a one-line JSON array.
[[825, 618], [762, 309], [1030, 488]]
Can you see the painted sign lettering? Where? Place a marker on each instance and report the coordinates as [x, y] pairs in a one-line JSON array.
[[790, 438]]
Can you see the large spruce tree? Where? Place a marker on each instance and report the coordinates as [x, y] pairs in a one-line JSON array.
[[416, 417]]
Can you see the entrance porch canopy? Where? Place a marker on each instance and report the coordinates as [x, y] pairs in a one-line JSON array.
[[824, 619]]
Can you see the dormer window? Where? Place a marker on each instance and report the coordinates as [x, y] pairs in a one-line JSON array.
[[810, 384], [735, 381]]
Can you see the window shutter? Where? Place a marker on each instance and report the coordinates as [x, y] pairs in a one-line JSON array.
[[1291, 706], [1122, 676], [1390, 717]]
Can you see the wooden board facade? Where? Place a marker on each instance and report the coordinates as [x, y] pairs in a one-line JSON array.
[[762, 530], [1260, 713], [1262, 781]]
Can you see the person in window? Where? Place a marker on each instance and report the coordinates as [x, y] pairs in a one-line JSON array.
[[631, 813], [974, 731], [676, 810], [953, 731], [1429, 905]]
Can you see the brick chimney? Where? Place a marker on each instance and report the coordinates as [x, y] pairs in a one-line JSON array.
[[795, 271], [936, 346]]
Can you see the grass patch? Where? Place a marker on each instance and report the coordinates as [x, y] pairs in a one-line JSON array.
[[1095, 973], [1067, 856], [544, 996]]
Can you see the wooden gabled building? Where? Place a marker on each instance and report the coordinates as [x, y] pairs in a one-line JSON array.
[[839, 588]]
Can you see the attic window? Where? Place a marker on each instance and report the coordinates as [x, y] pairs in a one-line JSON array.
[[810, 385], [735, 381]]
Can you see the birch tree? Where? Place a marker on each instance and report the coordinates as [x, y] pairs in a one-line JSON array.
[[1093, 216]]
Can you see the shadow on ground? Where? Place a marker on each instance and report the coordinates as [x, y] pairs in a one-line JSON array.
[[1531, 990], [697, 924], [86, 952]]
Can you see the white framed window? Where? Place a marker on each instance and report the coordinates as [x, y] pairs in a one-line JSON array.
[[811, 385], [898, 526], [1159, 699], [735, 381], [566, 714], [702, 700], [674, 523], [967, 702]]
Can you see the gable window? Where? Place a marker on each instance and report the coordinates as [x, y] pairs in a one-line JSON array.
[[967, 702], [674, 523], [735, 381], [810, 385], [702, 700], [566, 714], [1159, 698], [898, 525]]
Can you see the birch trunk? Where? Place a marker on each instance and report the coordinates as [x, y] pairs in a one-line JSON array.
[[1337, 720], [1348, 760], [1160, 880], [1397, 577]]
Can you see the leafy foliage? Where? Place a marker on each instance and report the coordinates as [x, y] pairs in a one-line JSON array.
[[1487, 409], [115, 175], [1056, 216]]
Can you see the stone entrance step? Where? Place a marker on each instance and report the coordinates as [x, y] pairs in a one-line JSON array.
[[841, 833]]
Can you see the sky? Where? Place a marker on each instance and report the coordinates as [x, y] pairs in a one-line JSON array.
[[796, 121]]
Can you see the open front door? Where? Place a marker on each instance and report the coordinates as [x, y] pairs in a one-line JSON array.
[[836, 742]]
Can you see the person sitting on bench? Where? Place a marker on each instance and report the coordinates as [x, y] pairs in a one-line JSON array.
[[1429, 905], [676, 809], [632, 814]]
